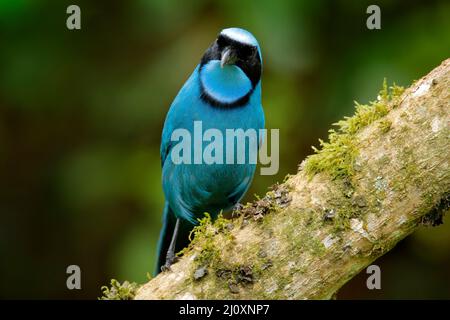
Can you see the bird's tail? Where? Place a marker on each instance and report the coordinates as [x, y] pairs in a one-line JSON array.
[[165, 236], [168, 225]]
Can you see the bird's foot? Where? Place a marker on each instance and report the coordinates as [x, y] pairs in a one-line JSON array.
[[170, 259], [237, 207], [165, 267]]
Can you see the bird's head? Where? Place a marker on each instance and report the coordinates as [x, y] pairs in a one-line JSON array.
[[234, 51]]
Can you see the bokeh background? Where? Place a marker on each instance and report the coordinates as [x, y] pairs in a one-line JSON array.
[[81, 114]]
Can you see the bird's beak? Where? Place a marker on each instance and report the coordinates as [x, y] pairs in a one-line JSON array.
[[228, 57]]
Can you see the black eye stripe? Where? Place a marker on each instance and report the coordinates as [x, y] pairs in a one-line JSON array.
[[222, 41], [246, 49]]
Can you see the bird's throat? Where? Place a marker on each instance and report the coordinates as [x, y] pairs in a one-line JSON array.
[[224, 86]]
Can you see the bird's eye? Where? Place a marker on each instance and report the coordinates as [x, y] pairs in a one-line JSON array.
[[247, 52], [221, 42]]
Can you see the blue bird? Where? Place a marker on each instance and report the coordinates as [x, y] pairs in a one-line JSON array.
[[223, 92]]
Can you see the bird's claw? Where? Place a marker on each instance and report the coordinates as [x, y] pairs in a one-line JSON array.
[[165, 267], [236, 208], [170, 260]]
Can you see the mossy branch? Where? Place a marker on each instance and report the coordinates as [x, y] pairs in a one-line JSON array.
[[383, 173]]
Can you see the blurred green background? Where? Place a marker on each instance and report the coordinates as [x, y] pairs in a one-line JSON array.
[[81, 113]]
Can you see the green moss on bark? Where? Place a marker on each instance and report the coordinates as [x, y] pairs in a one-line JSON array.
[[337, 156]]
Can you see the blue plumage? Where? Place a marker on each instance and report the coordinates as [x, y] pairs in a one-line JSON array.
[[223, 92]]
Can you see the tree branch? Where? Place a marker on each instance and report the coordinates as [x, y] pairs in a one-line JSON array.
[[383, 173]]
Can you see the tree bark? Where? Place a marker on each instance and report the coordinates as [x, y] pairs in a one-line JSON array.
[[310, 235]]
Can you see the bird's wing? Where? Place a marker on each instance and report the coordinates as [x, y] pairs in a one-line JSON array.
[[177, 114], [164, 149], [261, 126], [241, 189], [169, 126]]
